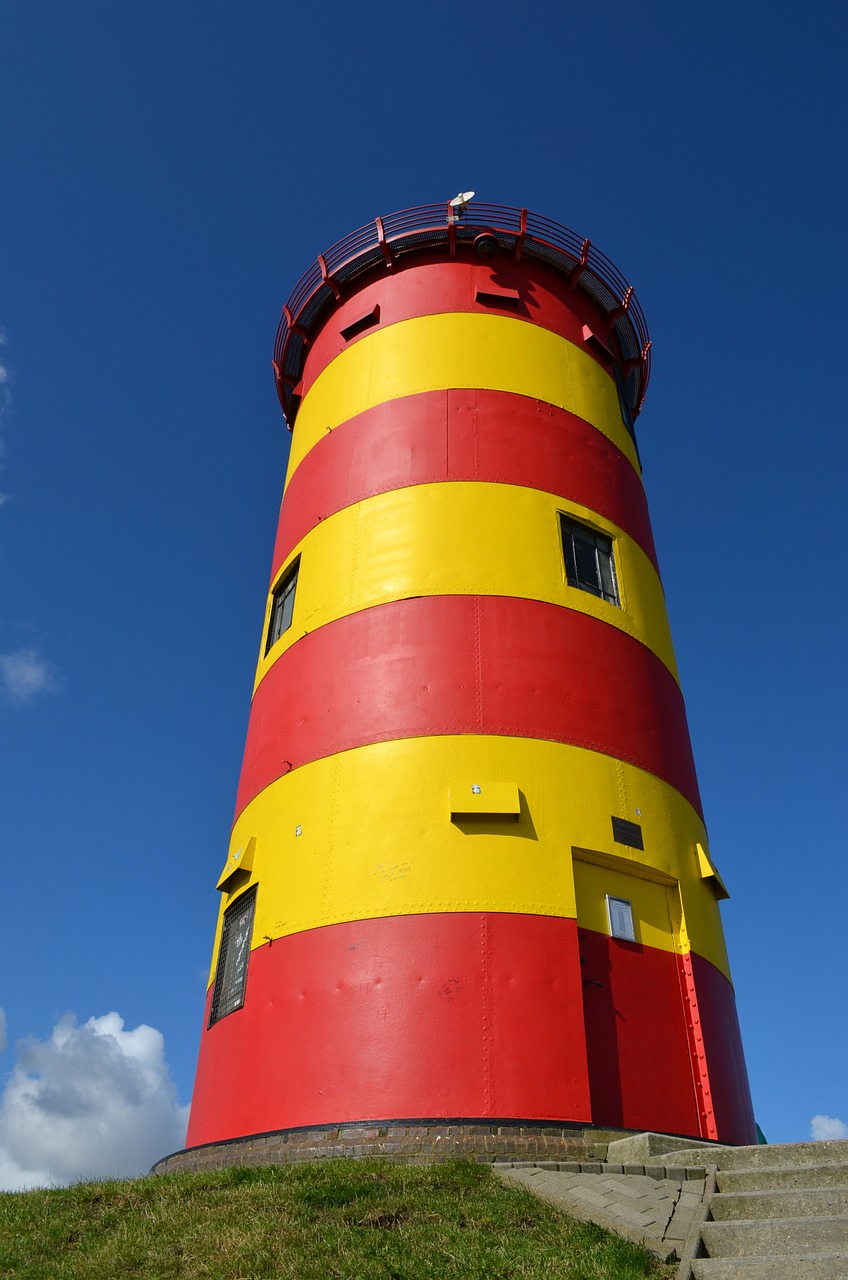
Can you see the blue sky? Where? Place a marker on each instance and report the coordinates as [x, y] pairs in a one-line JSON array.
[[169, 171]]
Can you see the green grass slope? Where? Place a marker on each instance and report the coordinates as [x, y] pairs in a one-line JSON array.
[[330, 1220]]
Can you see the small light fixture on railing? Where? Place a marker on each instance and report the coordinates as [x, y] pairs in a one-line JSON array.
[[459, 202]]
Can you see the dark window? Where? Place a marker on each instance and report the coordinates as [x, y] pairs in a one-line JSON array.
[[231, 974], [589, 562], [282, 606], [629, 833]]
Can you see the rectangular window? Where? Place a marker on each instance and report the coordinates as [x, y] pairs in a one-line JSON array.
[[589, 562], [282, 606], [231, 974], [620, 913]]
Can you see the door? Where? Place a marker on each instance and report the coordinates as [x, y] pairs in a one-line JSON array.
[[636, 1041]]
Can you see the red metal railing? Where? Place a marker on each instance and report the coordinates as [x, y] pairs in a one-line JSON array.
[[437, 227]]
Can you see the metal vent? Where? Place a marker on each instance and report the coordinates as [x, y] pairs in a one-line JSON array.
[[547, 254], [627, 338], [632, 384], [321, 298], [349, 270], [294, 356], [231, 974], [420, 240], [629, 833], [599, 291]]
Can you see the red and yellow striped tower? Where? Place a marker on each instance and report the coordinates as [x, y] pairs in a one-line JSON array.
[[469, 879]]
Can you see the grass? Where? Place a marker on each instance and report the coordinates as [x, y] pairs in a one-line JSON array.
[[329, 1220]]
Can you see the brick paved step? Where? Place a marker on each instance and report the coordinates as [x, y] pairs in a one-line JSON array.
[[794, 1237], [783, 1177], [801, 1202], [766, 1157], [824, 1266]]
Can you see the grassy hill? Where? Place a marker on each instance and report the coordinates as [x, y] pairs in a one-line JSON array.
[[330, 1220]]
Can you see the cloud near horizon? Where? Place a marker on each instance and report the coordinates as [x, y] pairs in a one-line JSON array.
[[24, 674], [92, 1101], [825, 1128]]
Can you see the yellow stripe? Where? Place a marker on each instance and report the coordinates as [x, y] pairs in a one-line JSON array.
[[376, 836], [461, 538], [433, 353]]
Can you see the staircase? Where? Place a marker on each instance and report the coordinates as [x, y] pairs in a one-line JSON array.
[[770, 1213]]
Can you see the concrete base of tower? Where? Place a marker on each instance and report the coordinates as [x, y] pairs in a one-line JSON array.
[[412, 1141]]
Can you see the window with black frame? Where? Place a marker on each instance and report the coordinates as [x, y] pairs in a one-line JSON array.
[[589, 560], [282, 605], [231, 973]]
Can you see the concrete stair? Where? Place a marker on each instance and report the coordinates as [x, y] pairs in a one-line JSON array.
[[770, 1212], [825, 1267]]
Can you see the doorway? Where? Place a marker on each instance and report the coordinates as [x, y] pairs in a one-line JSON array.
[[640, 1075]]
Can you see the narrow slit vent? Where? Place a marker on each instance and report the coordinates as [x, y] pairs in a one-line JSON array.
[[495, 297], [363, 323]]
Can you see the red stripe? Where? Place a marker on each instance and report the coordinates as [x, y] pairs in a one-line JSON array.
[[467, 664], [464, 1014], [460, 1014], [638, 1054], [437, 288], [728, 1076], [492, 436]]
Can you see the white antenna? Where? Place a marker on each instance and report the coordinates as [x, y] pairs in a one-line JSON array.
[[459, 202]]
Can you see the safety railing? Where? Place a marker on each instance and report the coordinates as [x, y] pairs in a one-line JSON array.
[[382, 244]]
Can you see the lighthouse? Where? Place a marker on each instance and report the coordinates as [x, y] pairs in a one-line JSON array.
[[469, 881]]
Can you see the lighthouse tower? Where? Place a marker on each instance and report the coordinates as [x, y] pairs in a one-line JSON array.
[[469, 881]]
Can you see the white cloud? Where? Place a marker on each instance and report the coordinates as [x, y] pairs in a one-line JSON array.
[[24, 674], [823, 1128], [94, 1101]]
